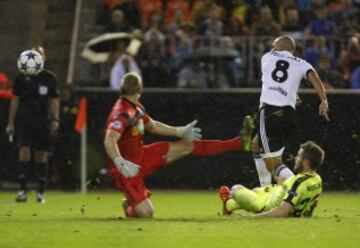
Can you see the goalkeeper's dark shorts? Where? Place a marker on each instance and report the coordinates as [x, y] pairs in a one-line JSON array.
[[152, 158]]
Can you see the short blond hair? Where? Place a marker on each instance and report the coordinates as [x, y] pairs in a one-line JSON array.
[[286, 42], [131, 84]]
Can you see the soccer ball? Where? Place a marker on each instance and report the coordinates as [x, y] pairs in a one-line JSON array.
[[30, 63]]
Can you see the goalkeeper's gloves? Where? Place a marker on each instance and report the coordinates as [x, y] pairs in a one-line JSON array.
[[126, 167], [190, 132]]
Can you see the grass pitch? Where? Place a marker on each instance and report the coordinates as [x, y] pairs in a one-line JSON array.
[[183, 219]]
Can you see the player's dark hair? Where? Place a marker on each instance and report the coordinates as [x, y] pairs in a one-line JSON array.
[[131, 84], [314, 153]]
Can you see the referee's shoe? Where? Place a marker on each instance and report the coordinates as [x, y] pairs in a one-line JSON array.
[[21, 196], [40, 197]]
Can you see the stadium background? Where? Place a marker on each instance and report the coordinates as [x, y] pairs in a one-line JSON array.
[[219, 111]]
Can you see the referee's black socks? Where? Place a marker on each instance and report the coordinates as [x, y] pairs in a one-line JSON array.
[[23, 174], [42, 176]]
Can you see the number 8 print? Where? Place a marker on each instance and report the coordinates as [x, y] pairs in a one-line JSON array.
[[282, 66]]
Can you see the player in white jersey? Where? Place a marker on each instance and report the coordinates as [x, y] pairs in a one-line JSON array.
[[282, 73]]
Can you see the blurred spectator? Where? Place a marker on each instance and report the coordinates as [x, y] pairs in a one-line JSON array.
[[193, 75], [266, 25], [211, 26], [64, 172], [118, 23], [5, 87], [111, 4], [174, 6], [154, 31], [341, 10], [322, 25], [202, 9], [346, 16], [242, 11], [131, 12], [182, 50], [313, 53], [221, 77], [350, 57], [236, 27], [284, 6], [176, 23], [151, 49], [188, 28], [148, 8], [331, 78], [123, 64], [155, 73], [293, 27], [310, 14], [350, 27], [304, 5], [234, 68]]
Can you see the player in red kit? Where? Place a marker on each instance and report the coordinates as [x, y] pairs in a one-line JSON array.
[[130, 161]]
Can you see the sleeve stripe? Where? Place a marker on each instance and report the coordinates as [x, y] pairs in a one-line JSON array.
[[296, 184]]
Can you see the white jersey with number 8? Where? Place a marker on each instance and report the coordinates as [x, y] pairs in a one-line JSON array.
[[281, 77]]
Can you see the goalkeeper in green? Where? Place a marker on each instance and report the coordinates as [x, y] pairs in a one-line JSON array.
[[296, 196]]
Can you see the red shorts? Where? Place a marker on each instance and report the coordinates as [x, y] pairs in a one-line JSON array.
[[154, 158]]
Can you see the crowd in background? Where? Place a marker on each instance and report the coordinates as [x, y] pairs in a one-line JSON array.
[[218, 44]]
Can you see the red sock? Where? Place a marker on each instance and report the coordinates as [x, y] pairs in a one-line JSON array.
[[214, 147]]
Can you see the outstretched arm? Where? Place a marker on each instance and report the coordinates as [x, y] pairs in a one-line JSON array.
[[314, 79], [159, 128], [189, 132], [282, 211]]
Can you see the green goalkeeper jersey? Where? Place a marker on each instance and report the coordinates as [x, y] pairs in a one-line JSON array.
[[303, 190]]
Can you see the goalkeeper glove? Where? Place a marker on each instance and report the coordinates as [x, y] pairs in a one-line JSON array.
[[190, 132], [126, 167]]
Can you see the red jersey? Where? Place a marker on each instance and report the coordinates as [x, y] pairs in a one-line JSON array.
[[129, 119]]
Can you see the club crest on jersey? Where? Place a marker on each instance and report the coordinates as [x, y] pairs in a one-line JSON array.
[[116, 125], [43, 90]]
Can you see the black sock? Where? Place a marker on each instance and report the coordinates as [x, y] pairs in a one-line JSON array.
[[42, 176], [23, 174]]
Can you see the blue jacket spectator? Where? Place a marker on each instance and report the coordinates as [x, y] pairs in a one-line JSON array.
[[322, 25], [313, 53], [355, 79]]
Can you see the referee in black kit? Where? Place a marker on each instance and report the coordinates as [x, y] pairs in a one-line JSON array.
[[34, 118]]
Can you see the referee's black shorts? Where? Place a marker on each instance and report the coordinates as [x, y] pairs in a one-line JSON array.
[[34, 134], [274, 125]]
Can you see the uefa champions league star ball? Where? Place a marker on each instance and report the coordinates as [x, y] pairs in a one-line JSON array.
[[30, 63]]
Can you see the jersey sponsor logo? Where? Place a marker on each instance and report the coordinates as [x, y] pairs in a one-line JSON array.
[[138, 129], [279, 89], [116, 125], [43, 90]]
